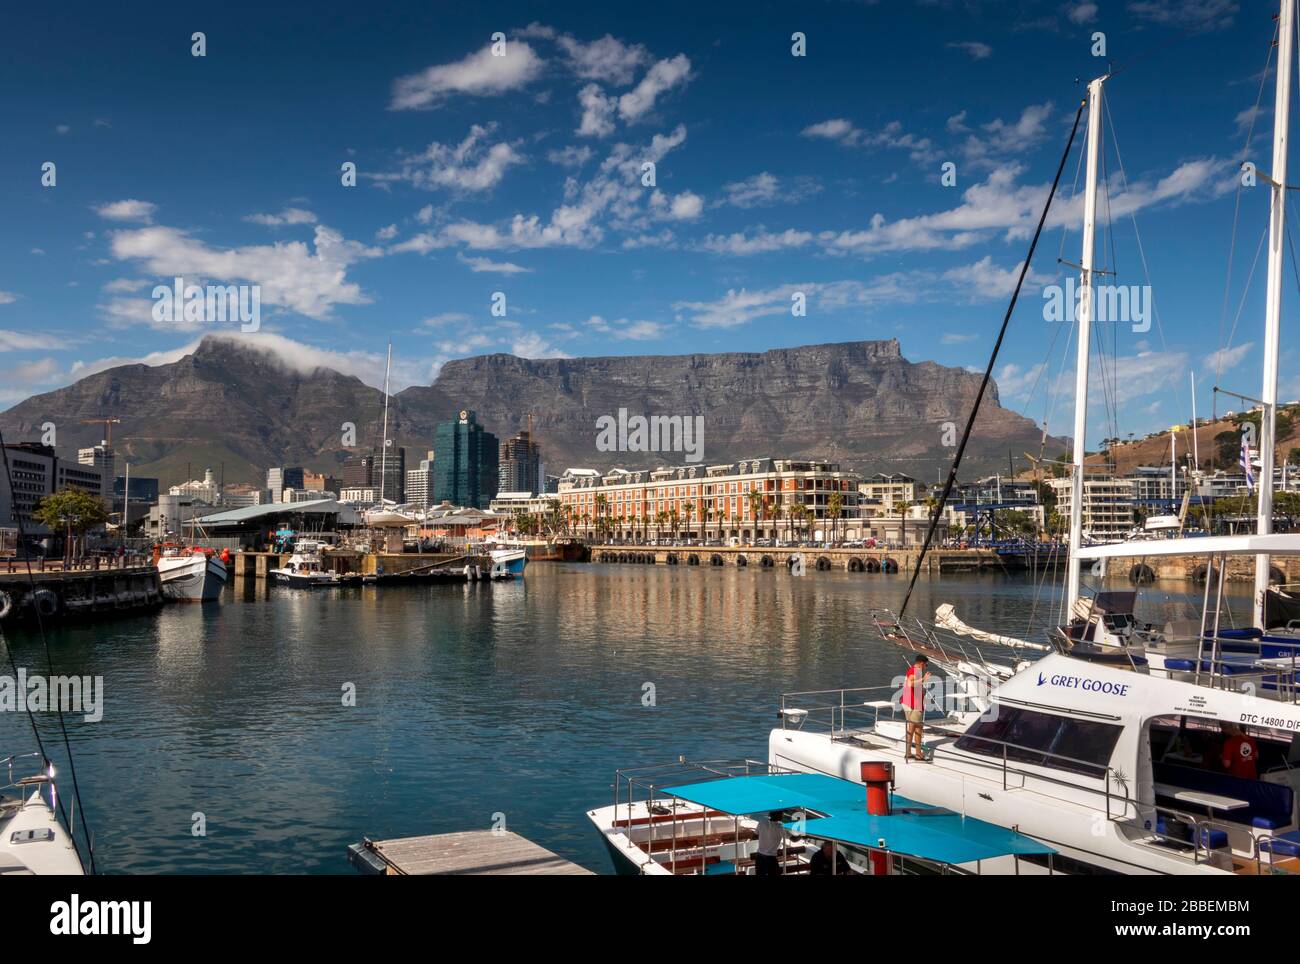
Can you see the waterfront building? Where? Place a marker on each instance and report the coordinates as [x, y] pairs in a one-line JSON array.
[[293, 496], [1107, 506], [238, 495], [359, 494], [37, 472], [761, 498], [279, 478], [465, 470], [525, 503], [890, 489], [519, 465], [100, 456]]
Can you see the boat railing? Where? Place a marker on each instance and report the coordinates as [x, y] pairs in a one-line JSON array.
[[644, 784], [838, 712], [1269, 865], [930, 641], [25, 782]]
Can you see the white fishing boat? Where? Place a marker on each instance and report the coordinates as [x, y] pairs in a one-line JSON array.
[[305, 568], [191, 574], [32, 840]]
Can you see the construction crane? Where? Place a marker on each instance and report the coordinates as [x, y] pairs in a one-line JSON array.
[[108, 424]]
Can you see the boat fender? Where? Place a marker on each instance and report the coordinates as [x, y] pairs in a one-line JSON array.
[[46, 602]]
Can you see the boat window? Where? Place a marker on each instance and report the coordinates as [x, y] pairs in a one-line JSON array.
[[1058, 742]]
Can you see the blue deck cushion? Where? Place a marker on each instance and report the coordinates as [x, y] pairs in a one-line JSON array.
[[1284, 845], [1213, 839], [1248, 632], [1267, 801], [1267, 822]]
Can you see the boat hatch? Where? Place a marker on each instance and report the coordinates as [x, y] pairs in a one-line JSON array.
[[835, 809]]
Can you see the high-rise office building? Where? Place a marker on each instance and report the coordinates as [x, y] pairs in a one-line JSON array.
[[465, 462], [519, 465], [419, 484], [101, 456], [279, 479], [371, 470]]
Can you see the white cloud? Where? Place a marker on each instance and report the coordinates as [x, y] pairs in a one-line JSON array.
[[628, 330], [478, 74], [1191, 15], [127, 210], [571, 156], [291, 274], [498, 267], [1226, 359], [532, 345], [386, 233], [287, 216], [597, 112], [976, 49], [758, 241], [446, 318], [999, 140], [468, 166], [1082, 13], [7, 297], [26, 341], [662, 77], [891, 136], [607, 60]]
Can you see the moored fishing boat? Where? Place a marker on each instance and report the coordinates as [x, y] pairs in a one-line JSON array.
[[191, 574]]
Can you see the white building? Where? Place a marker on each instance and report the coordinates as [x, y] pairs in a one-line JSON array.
[[1107, 506], [101, 457]]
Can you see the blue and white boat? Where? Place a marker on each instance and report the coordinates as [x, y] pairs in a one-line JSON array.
[[688, 819], [509, 559]]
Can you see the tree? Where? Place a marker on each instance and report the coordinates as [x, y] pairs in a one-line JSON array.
[[834, 508], [73, 511], [689, 507]]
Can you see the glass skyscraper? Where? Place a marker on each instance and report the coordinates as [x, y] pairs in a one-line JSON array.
[[465, 462]]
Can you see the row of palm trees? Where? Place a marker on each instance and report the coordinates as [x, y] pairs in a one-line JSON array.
[[561, 520]]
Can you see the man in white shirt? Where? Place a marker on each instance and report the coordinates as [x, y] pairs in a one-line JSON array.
[[771, 834]]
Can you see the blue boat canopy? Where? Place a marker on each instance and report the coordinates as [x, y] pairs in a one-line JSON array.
[[836, 810]]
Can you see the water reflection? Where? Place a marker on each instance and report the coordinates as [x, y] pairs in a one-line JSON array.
[[518, 698]]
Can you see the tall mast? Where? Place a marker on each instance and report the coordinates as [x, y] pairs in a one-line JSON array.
[[1084, 335], [383, 457], [1273, 302]]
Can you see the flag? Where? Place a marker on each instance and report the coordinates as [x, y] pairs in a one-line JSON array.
[[1246, 466]]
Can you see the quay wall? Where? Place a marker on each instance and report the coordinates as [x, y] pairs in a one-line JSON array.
[[76, 593], [849, 560]]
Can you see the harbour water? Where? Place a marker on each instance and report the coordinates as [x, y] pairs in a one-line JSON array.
[[514, 699]]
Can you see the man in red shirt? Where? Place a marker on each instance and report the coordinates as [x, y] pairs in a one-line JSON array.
[[1240, 753], [914, 706]]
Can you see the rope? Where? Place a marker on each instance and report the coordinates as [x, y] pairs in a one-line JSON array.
[[988, 370]]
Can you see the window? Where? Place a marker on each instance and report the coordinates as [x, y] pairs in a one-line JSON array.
[[1057, 742]]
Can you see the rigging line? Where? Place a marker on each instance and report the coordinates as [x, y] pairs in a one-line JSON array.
[[988, 370], [1236, 210], [58, 704], [1142, 253], [1241, 306], [1074, 192]]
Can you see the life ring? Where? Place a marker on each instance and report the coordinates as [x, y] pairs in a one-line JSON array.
[[46, 602]]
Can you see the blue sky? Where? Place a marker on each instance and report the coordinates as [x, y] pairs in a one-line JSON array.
[[522, 174]]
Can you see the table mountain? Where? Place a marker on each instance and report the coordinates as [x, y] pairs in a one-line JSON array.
[[233, 403]]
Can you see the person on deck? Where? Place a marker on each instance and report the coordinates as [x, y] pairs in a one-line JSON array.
[[825, 859], [771, 834], [914, 707], [1240, 754]]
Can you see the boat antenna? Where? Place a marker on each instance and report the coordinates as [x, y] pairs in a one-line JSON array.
[[58, 704], [988, 370]]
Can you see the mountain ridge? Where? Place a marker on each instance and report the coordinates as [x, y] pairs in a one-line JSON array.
[[231, 401]]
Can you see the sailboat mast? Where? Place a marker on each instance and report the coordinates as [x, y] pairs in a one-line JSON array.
[[383, 456], [1273, 302], [1084, 335]]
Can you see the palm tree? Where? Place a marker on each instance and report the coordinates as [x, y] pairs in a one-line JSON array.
[[674, 522], [755, 502], [690, 509], [661, 520], [834, 508]]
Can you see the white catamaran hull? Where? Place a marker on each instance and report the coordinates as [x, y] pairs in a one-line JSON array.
[[196, 578]]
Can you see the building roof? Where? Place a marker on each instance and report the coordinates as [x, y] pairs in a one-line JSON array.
[[250, 513]]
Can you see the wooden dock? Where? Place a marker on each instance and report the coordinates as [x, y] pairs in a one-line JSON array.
[[472, 853]]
